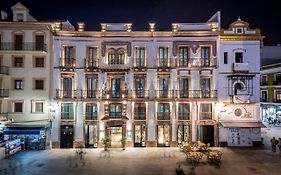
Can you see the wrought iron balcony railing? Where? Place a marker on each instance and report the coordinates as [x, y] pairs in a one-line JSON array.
[[140, 115], [195, 93], [89, 63], [183, 116], [65, 94], [67, 115], [164, 93], [264, 100], [114, 94], [4, 93], [4, 70], [163, 62], [140, 93], [24, 46], [115, 115], [91, 116], [163, 115], [90, 93], [67, 63]]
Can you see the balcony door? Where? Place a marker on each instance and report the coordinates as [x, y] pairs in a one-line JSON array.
[[205, 56], [116, 87], [183, 87], [18, 42], [91, 87], [39, 42], [205, 87], [163, 56], [139, 87], [163, 87], [67, 87], [68, 56]]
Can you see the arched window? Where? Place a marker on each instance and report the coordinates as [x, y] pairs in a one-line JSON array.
[[120, 57], [237, 86], [111, 57]]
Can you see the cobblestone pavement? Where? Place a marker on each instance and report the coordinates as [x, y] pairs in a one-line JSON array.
[[138, 161]]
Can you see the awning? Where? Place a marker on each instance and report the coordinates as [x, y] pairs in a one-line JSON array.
[[26, 128], [242, 124]]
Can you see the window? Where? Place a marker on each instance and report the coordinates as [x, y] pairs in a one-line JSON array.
[[67, 112], [91, 87], [163, 56], [264, 96], [206, 111], [205, 56], [163, 87], [18, 107], [263, 80], [238, 57], [277, 96], [239, 30], [20, 17], [184, 111], [225, 57], [206, 87], [39, 62], [140, 56], [37, 106], [140, 87], [18, 61], [163, 111], [277, 79], [183, 53], [91, 111], [39, 84], [18, 84], [115, 111], [67, 87], [69, 56], [92, 56], [139, 111], [183, 88]]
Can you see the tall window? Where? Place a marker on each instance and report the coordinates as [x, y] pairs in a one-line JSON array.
[[140, 56], [115, 110], [238, 57], [18, 84], [205, 56], [92, 56], [163, 111], [69, 56], [139, 111], [183, 88], [140, 87], [184, 111], [163, 87], [225, 57], [264, 96], [205, 87], [120, 57], [206, 111], [163, 56], [116, 87], [116, 56], [183, 53], [91, 111], [91, 87], [263, 80], [67, 112], [67, 87]]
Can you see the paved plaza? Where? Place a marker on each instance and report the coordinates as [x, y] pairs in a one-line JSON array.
[[143, 161]]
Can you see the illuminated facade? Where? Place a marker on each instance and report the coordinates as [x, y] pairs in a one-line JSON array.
[[157, 88]]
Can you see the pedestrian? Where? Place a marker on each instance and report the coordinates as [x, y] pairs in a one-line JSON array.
[[274, 143], [279, 145], [179, 170]]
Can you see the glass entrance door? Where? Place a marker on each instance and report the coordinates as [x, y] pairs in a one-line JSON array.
[[163, 135], [140, 135], [116, 135], [183, 134], [91, 135]]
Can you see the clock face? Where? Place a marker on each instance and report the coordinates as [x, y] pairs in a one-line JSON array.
[[256, 130]]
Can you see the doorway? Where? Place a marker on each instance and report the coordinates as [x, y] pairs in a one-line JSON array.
[[206, 134], [115, 135], [91, 134], [66, 136], [39, 42], [18, 42], [163, 133], [139, 135]]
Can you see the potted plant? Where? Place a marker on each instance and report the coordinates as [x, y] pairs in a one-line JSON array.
[[123, 142], [106, 141]]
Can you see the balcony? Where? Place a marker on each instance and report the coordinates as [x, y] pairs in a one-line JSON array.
[[4, 70], [277, 100], [197, 62], [195, 94], [277, 83], [66, 94], [91, 116], [163, 115], [114, 67], [140, 116], [25, 46], [115, 115], [183, 116], [90, 94], [264, 100], [4, 93], [90, 66], [164, 93], [67, 64], [111, 94], [240, 67], [140, 93]]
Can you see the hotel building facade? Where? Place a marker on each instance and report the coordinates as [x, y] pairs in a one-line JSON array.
[[157, 88]]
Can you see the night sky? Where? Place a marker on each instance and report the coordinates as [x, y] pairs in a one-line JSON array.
[[265, 15]]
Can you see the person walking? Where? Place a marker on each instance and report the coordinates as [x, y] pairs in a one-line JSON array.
[[179, 170], [274, 143]]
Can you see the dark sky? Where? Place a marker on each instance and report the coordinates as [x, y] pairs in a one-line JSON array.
[[265, 15]]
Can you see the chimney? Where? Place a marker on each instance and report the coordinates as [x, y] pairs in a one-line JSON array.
[[81, 26]]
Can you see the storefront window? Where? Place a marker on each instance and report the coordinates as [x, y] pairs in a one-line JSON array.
[[163, 135], [183, 134], [140, 135]]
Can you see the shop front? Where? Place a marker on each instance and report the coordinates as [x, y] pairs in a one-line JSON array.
[[163, 135], [31, 136], [139, 135], [184, 133]]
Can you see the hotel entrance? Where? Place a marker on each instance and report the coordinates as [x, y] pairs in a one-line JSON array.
[[163, 135], [206, 134], [91, 134], [139, 135], [115, 133]]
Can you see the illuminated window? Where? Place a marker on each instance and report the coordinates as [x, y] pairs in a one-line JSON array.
[[91, 111], [115, 111], [183, 56], [206, 111], [184, 111], [67, 112], [37, 106], [18, 84], [140, 56], [140, 111], [163, 112]]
